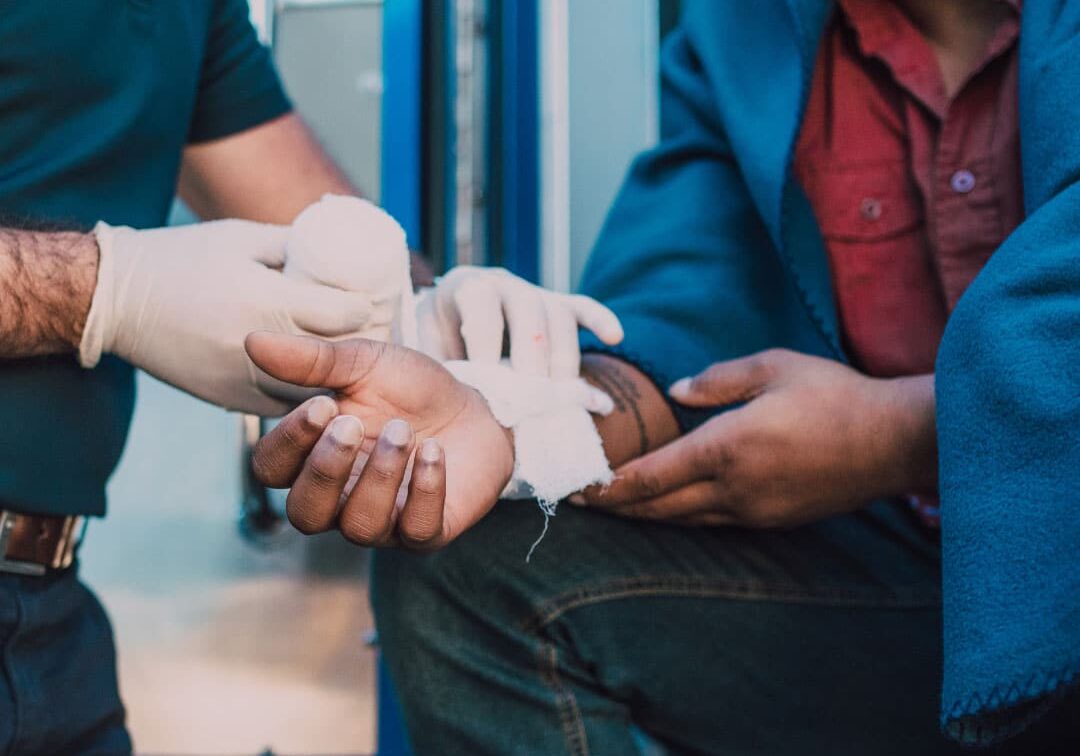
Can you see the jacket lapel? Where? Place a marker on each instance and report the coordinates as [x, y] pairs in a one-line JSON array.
[[762, 65]]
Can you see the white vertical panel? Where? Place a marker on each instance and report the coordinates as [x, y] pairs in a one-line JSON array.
[[555, 144], [612, 95]]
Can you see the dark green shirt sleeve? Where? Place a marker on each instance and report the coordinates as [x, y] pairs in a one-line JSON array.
[[238, 86]]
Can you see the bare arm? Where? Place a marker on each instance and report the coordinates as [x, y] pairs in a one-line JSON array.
[[268, 173], [46, 283], [642, 420]]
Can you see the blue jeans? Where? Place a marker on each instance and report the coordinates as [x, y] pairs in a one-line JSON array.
[[58, 691], [820, 640]]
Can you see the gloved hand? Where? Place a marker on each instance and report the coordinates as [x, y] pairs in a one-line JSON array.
[[466, 313], [178, 303]]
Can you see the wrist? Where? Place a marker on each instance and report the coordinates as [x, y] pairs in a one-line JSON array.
[[93, 334], [85, 262], [913, 435]]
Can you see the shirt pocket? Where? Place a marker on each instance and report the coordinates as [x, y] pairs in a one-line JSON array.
[[863, 203]]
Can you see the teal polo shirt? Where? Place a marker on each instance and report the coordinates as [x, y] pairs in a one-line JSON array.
[[97, 100]]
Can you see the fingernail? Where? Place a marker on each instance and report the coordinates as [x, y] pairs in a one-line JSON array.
[[347, 430], [320, 410], [398, 433], [430, 451], [577, 500], [681, 386]]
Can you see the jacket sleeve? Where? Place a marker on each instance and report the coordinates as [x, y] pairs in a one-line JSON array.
[[684, 258]]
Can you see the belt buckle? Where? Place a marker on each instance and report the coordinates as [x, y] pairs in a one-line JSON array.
[[65, 549]]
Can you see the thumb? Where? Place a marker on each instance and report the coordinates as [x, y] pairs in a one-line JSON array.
[[723, 383], [262, 242], [307, 361]]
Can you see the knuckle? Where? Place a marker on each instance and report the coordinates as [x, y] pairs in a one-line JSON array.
[[419, 530], [303, 518], [290, 437], [363, 530], [323, 476], [648, 485], [427, 489], [380, 475], [263, 469], [772, 360]]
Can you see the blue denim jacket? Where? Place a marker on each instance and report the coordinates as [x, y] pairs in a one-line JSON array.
[[711, 251]]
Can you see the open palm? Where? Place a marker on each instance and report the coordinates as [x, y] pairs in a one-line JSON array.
[[378, 383]]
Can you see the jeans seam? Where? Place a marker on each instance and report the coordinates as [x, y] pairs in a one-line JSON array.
[[642, 586], [570, 719]]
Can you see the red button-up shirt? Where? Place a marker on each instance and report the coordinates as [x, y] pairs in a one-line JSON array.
[[913, 191]]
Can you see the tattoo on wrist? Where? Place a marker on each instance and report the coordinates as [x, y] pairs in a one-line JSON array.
[[625, 395]]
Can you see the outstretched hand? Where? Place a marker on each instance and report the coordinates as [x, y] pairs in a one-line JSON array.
[[345, 456], [810, 438]]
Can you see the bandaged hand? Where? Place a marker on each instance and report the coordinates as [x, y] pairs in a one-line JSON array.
[[467, 313], [178, 303]]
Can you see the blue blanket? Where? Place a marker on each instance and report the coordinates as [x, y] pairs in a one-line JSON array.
[[1008, 384]]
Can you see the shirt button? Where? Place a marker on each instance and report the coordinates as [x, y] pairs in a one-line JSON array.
[[870, 208], [962, 182]]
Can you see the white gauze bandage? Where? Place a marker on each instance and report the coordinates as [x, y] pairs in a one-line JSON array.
[[356, 246], [557, 449]]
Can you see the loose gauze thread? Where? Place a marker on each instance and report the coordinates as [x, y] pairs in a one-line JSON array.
[[548, 509]]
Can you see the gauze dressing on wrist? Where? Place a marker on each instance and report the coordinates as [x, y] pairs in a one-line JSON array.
[[557, 450]]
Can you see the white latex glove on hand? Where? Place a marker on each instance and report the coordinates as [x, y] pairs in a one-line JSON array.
[[178, 303], [466, 313], [354, 245]]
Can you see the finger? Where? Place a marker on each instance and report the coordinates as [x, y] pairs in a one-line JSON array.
[[690, 501], [583, 394], [670, 467], [480, 311], [279, 456], [597, 318], [565, 353], [326, 311], [712, 519], [315, 497], [526, 321], [262, 242], [729, 382], [421, 523], [307, 361], [367, 518]]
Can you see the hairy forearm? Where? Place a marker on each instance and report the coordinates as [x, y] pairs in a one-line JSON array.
[[47, 281], [642, 420]]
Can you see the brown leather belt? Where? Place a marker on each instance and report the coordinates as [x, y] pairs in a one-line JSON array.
[[34, 544]]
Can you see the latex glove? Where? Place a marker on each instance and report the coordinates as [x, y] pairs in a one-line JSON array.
[[354, 245], [178, 303], [467, 312]]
